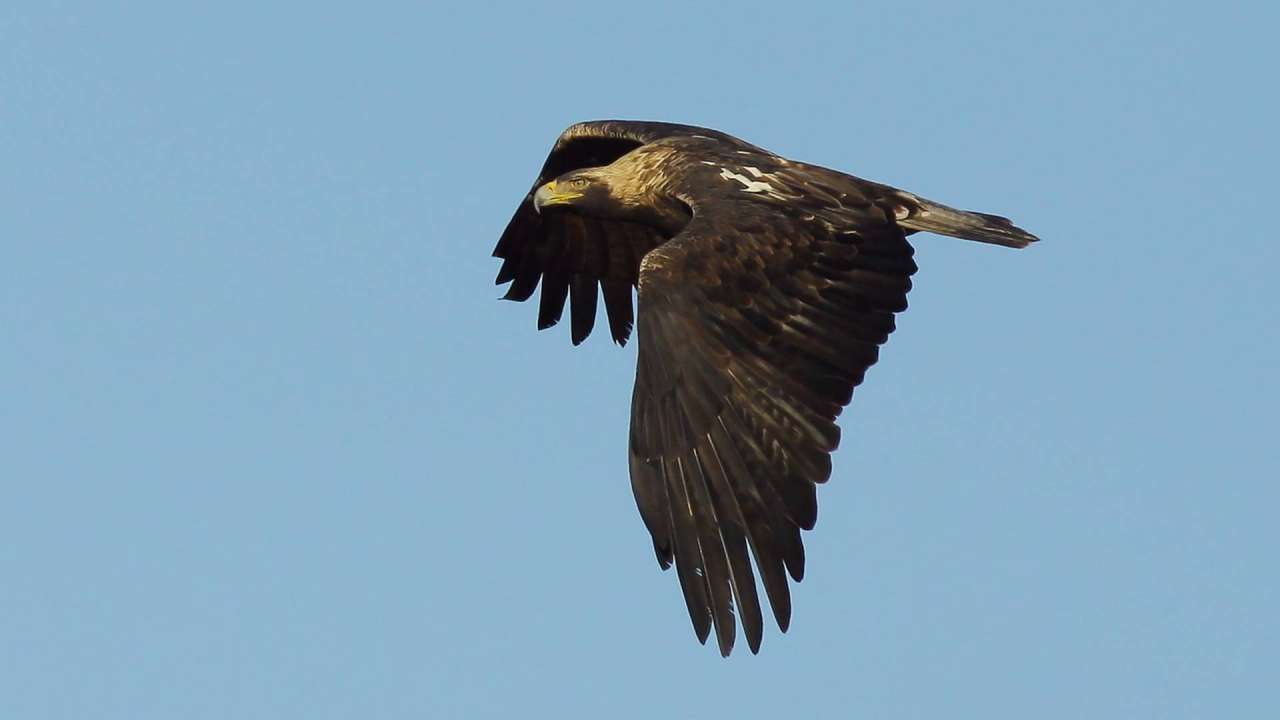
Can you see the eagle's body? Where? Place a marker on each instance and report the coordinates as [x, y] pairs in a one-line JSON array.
[[766, 287]]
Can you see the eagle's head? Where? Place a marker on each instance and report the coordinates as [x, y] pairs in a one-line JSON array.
[[627, 189], [586, 191]]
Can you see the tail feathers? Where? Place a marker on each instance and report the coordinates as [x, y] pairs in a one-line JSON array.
[[917, 214]]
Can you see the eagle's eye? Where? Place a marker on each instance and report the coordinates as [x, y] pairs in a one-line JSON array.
[[578, 183]]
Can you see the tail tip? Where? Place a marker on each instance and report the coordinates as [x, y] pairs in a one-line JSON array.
[[1001, 231]]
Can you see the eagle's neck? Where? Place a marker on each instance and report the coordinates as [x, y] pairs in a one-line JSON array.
[[640, 184], [665, 212]]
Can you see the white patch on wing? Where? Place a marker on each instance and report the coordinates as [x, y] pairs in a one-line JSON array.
[[757, 186], [749, 185]]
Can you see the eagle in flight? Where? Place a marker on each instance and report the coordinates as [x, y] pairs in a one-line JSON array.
[[766, 287]]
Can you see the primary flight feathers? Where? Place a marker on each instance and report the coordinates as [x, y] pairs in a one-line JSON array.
[[766, 287]]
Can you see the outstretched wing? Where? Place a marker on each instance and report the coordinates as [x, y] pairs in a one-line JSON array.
[[755, 326], [575, 257]]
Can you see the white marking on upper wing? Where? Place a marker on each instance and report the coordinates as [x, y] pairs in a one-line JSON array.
[[749, 185]]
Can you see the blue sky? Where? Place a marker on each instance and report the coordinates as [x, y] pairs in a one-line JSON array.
[[271, 447]]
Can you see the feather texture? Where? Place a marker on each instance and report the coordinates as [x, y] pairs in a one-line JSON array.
[[756, 321]]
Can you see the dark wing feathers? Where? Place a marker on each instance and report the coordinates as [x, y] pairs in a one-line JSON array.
[[756, 322], [572, 257], [754, 326], [583, 294]]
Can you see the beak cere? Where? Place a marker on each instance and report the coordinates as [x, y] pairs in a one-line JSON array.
[[549, 194]]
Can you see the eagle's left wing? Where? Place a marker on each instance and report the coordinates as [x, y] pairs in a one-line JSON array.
[[755, 326], [577, 258]]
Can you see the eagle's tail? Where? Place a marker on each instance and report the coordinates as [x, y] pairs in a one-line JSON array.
[[915, 213]]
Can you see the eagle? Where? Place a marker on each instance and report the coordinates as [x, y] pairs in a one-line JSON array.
[[765, 289]]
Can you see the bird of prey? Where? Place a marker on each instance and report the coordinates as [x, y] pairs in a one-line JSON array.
[[766, 287]]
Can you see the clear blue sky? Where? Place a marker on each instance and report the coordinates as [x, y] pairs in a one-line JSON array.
[[271, 447]]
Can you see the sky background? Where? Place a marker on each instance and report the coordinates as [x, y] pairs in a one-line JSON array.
[[271, 447]]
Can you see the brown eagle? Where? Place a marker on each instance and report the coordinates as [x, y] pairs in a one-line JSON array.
[[766, 287]]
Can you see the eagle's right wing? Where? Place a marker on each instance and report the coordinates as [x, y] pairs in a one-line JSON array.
[[755, 326]]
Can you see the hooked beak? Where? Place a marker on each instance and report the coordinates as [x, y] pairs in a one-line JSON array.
[[549, 195]]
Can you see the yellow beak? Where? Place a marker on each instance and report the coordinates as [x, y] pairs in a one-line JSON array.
[[549, 195]]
